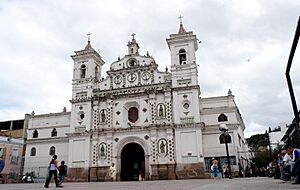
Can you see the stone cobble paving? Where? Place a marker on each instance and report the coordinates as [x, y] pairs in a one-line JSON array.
[[259, 183]]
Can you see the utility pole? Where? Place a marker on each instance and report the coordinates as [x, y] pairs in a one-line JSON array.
[[288, 78]]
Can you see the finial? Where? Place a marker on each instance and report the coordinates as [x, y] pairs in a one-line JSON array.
[[64, 109], [180, 17], [32, 113], [166, 69], [88, 46], [133, 34], [89, 35], [181, 28], [229, 92], [147, 54]]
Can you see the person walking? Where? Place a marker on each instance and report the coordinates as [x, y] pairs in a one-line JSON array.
[[112, 172], [62, 172], [296, 167], [214, 167], [287, 161], [2, 164], [53, 167]]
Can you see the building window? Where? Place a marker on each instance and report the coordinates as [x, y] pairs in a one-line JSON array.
[[52, 150], [182, 56], [133, 114], [222, 117], [33, 152], [14, 156], [54, 133], [96, 72], [35, 134], [82, 71], [81, 116]]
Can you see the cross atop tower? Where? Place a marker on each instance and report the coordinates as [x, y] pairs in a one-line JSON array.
[[133, 34], [180, 17], [89, 35], [88, 46]]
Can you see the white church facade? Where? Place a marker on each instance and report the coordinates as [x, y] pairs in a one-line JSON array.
[[147, 123]]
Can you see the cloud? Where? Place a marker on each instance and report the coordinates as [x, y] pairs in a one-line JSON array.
[[245, 47]]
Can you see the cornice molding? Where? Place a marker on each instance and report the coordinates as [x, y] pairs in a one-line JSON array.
[[47, 140]]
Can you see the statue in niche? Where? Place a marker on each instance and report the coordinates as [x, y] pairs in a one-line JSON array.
[[102, 116], [161, 111], [162, 147], [102, 150]]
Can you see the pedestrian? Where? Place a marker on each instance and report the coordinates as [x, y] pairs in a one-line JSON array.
[[62, 172], [224, 170], [214, 167], [112, 172], [287, 160], [53, 167], [296, 167], [280, 162], [2, 164]]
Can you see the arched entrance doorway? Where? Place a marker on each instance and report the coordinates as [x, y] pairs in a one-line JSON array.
[[132, 162]]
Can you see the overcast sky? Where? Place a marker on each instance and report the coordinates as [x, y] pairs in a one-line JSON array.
[[245, 47]]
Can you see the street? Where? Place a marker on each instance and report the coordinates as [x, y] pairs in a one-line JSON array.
[[256, 183]]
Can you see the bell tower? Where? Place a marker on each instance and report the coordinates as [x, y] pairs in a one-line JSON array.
[[86, 73], [183, 47], [185, 87], [133, 46]]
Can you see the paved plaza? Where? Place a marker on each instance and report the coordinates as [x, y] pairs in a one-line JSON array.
[[257, 183]]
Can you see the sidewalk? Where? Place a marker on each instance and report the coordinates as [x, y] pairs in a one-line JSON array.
[[255, 183]]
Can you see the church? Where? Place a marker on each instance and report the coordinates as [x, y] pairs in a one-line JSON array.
[[138, 123]]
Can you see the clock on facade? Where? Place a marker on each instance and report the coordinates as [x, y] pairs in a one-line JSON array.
[[131, 77], [146, 75], [118, 79]]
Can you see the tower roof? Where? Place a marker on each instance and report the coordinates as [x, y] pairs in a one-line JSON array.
[[88, 46], [181, 29]]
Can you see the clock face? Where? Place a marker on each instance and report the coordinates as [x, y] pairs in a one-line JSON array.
[[131, 77], [118, 79], [146, 75]]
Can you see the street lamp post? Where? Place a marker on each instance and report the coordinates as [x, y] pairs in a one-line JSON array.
[[227, 140]]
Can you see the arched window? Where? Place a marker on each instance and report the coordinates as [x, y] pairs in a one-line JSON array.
[[182, 56], [222, 117], [133, 114], [52, 150], [54, 133], [96, 72], [82, 71], [33, 151], [35, 134]]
